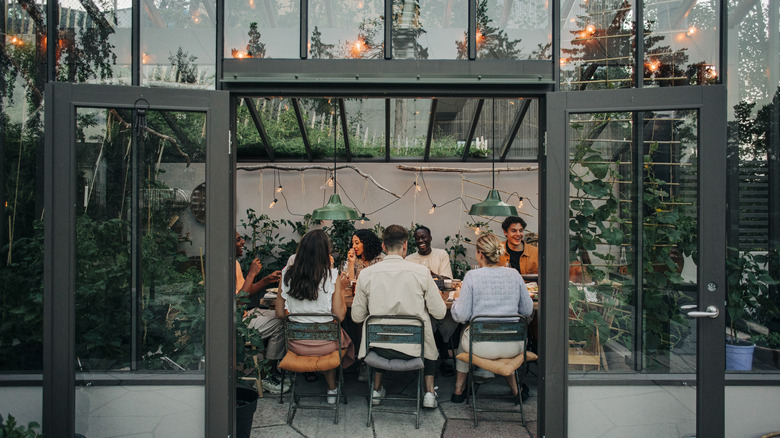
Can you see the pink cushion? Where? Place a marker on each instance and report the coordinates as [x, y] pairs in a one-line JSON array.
[[504, 367], [306, 364]]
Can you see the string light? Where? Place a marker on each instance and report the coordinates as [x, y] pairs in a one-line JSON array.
[[433, 208], [476, 231], [691, 31], [279, 189], [520, 204], [417, 186], [591, 29], [363, 218], [272, 204]]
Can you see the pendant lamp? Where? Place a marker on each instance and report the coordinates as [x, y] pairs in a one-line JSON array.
[[493, 205], [334, 210]]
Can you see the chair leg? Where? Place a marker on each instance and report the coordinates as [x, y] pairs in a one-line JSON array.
[[419, 390], [370, 393], [281, 394], [473, 394], [338, 396]]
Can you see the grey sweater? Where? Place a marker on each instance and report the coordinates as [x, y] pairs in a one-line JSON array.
[[492, 291]]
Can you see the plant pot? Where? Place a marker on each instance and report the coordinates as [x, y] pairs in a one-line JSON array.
[[739, 357], [246, 404]]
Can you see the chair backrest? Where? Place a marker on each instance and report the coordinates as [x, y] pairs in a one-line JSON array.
[[393, 330], [312, 331], [498, 328]]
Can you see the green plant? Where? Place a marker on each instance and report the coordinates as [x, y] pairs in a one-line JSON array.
[[771, 340], [456, 248], [9, 429], [749, 283], [265, 242], [249, 343]]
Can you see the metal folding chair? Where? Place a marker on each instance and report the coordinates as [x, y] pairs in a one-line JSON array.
[[491, 328], [394, 330], [309, 331]]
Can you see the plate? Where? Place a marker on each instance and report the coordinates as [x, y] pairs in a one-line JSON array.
[[270, 295], [273, 290]]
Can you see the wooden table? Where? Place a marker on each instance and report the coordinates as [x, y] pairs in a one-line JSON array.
[[348, 299]]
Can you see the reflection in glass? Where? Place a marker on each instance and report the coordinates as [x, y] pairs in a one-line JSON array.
[[346, 29], [178, 43], [262, 28], [94, 41], [681, 43], [426, 30], [508, 29], [170, 318], [597, 41]]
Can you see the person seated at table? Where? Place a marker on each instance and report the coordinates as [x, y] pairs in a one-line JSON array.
[[312, 285], [438, 261], [366, 250], [399, 287], [491, 289], [518, 255]]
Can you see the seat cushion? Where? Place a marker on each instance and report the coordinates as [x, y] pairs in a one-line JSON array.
[[383, 363], [504, 367], [307, 364]]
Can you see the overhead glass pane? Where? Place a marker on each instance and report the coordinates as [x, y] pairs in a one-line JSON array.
[[148, 315], [178, 43], [262, 28], [366, 121], [681, 42], [522, 116], [428, 30], [21, 225], [94, 41], [410, 127], [597, 44], [512, 29], [346, 29]]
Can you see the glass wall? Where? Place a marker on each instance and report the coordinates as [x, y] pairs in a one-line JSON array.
[[508, 29], [346, 29], [262, 28]]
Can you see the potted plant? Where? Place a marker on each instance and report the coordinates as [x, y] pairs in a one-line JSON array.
[[9, 428], [767, 349], [748, 282]]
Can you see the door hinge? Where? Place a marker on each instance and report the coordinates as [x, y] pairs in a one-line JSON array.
[[544, 151], [230, 143]]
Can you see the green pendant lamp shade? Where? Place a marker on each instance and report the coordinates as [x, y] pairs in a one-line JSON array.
[[493, 206], [334, 210]]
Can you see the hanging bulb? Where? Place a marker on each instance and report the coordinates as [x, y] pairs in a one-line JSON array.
[[330, 182], [279, 189], [272, 204], [419, 189], [433, 208], [520, 204], [476, 231]]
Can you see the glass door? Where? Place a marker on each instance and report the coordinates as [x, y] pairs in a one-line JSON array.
[[635, 195], [132, 253]]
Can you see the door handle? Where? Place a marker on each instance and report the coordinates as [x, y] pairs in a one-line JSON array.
[[711, 312]]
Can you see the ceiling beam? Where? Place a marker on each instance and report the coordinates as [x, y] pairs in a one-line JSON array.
[[301, 124], [261, 129], [429, 136], [473, 128], [519, 117]]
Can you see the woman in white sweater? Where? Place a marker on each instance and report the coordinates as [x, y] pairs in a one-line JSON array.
[[491, 289]]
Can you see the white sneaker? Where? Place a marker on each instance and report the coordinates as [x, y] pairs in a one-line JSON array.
[[332, 396], [378, 395], [429, 400]]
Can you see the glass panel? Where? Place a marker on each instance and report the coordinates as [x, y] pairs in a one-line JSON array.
[[427, 30], [22, 81], [24, 403], [154, 411], [597, 41], [754, 58], [94, 41], [366, 121], [163, 327], [509, 29], [410, 127], [602, 286], [342, 29], [681, 42], [178, 43], [262, 28], [525, 143]]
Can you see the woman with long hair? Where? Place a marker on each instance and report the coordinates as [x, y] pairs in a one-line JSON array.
[[366, 250], [491, 289], [312, 285]]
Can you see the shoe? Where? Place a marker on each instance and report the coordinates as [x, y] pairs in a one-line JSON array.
[[363, 373], [482, 375], [446, 369], [429, 400], [273, 384], [525, 393], [378, 395], [332, 396], [458, 398]]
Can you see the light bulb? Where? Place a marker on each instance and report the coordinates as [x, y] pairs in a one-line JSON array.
[[691, 30], [330, 182], [279, 189], [476, 231], [419, 189], [520, 204], [433, 208], [272, 204]]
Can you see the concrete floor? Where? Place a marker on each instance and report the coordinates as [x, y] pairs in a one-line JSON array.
[[447, 420]]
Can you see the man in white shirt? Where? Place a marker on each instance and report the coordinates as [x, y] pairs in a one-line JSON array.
[[395, 286]]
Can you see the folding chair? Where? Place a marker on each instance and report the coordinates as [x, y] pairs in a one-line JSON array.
[[392, 331], [311, 331], [488, 328]]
